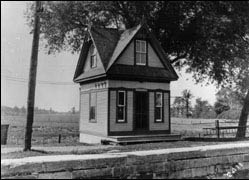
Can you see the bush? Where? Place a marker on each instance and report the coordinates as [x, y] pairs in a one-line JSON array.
[[230, 114]]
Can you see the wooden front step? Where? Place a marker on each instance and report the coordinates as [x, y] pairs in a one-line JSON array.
[[144, 138]]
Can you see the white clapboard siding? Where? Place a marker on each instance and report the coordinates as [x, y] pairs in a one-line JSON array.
[[87, 64], [153, 59], [100, 127], [127, 57]]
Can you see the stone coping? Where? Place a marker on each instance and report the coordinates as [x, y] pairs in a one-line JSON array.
[[63, 158]]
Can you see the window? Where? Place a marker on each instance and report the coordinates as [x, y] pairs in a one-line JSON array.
[[158, 107], [141, 52], [93, 103], [93, 58], [121, 107]]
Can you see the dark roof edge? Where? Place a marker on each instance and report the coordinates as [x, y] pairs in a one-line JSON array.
[[160, 49], [76, 73], [90, 78]]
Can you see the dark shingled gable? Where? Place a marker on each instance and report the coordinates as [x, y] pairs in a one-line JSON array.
[[105, 41], [110, 43]]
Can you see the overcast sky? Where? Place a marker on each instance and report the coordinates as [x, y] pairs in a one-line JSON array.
[[53, 70]]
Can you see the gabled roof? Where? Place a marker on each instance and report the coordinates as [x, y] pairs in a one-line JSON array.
[[124, 40], [105, 41], [110, 43]]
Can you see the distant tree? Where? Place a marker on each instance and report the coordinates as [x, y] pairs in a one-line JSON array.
[[220, 106], [228, 100], [178, 106], [16, 110], [229, 97], [36, 110], [23, 110], [187, 96], [73, 110], [203, 109]]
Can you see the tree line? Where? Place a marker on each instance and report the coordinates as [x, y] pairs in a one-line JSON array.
[[13, 111], [227, 106]]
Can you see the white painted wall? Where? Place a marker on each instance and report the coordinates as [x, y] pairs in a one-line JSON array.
[[127, 58]]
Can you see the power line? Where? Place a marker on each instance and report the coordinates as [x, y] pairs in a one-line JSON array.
[[23, 80]]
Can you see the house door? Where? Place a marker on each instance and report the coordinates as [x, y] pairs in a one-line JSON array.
[[141, 123]]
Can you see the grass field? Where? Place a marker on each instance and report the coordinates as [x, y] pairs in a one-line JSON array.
[[47, 127], [51, 120]]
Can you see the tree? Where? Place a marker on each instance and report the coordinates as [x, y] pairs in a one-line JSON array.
[[16, 110], [73, 110], [210, 38], [220, 107], [187, 95], [202, 108], [178, 106], [229, 97], [23, 110]]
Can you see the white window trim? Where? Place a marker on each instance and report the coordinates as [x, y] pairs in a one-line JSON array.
[[122, 105], [141, 41], [141, 52], [95, 61], [93, 54], [90, 103], [160, 106]]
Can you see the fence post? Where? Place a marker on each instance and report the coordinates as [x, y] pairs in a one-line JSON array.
[[217, 127], [59, 140]]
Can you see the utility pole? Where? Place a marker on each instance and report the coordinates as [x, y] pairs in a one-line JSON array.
[[32, 78]]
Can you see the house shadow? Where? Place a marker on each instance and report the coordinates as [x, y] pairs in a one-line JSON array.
[[39, 151]]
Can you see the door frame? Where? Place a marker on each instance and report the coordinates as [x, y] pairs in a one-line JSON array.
[[147, 129]]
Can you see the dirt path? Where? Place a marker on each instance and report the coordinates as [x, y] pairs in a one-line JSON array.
[[5, 149]]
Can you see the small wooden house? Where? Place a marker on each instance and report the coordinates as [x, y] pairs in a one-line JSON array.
[[124, 79]]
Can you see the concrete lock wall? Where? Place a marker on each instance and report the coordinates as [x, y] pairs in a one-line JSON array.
[[189, 162]]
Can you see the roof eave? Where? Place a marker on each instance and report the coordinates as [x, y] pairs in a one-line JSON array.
[[89, 78]]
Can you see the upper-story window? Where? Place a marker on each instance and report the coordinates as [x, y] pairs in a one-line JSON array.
[[141, 52], [93, 58]]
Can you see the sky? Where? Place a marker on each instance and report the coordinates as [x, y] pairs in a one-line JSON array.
[[55, 88]]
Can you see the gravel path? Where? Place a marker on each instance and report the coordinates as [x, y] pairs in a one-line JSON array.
[[53, 158], [55, 148]]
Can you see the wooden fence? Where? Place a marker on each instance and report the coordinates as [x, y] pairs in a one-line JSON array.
[[222, 131]]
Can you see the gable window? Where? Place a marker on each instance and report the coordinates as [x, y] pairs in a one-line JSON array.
[[92, 103], [121, 106], [93, 58], [159, 107], [141, 52]]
